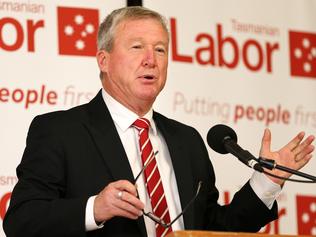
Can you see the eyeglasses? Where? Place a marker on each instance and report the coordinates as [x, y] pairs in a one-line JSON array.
[[151, 215]]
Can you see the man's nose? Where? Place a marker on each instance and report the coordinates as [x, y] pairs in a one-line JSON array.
[[149, 59]]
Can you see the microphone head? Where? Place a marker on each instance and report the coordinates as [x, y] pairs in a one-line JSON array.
[[217, 135]]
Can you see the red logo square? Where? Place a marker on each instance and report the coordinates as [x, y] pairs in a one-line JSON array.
[[303, 54], [77, 31], [306, 215]]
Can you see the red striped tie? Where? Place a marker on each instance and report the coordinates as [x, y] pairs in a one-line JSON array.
[[152, 176]]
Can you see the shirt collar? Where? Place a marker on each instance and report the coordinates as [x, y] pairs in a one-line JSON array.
[[124, 117]]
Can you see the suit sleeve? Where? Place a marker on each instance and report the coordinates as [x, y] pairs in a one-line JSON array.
[[39, 206]]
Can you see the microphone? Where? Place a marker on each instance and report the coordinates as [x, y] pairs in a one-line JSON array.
[[223, 140]]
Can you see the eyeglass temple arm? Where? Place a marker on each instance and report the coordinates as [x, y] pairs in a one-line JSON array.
[[186, 207], [145, 166]]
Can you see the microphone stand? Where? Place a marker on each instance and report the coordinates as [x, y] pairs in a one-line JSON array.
[[270, 164]]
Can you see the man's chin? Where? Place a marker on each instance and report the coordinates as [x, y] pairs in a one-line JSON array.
[[148, 94], [147, 99]]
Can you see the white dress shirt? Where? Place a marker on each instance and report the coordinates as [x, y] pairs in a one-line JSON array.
[[123, 118]]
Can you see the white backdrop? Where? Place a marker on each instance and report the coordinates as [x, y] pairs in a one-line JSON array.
[[249, 64]]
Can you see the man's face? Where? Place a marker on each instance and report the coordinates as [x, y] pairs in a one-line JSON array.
[[136, 67]]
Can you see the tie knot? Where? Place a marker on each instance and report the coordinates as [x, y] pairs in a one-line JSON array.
[[141, 123]]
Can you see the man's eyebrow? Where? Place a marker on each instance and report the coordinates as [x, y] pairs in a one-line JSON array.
[[164, 43]]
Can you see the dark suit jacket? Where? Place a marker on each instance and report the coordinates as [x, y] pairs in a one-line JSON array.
[[72, 155]]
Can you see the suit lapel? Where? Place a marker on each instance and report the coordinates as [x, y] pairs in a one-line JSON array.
[[107, 140], [181, 166], [102, 130]]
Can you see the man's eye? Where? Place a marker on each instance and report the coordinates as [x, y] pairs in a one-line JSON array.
[[136, 46], [160, 50]]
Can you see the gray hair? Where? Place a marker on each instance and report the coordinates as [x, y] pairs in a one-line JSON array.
[[109, 25]]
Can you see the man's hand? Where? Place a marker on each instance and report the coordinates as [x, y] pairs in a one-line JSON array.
[[117, 199], [295, 155]]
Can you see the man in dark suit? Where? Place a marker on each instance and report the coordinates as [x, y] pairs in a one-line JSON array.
[[77, 174]]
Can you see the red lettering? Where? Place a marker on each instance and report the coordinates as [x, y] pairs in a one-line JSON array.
[[266, 115], [19, 34], [175, 55], [230, 41], [271, 116], [250, 113], [209, 50], [31, 97], [266, 229], [42, 94], [226, 198], [286, 117], [270, 49], [4, 203], [31, 29], [245, 55], [260, 114], [253, 54], [4, 94], [51, 97], [28, 97], [17, 95], [239, 113]]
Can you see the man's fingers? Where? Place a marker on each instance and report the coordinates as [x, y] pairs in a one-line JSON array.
[[127, 192], [125, 185], [132, 200], [301, 163], [119, 198], [130, 204], [266, 142], [126, 202], [304, 145], [295, 141], [304, 152]]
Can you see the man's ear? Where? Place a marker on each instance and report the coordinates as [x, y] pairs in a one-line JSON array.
[[103, 60]]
